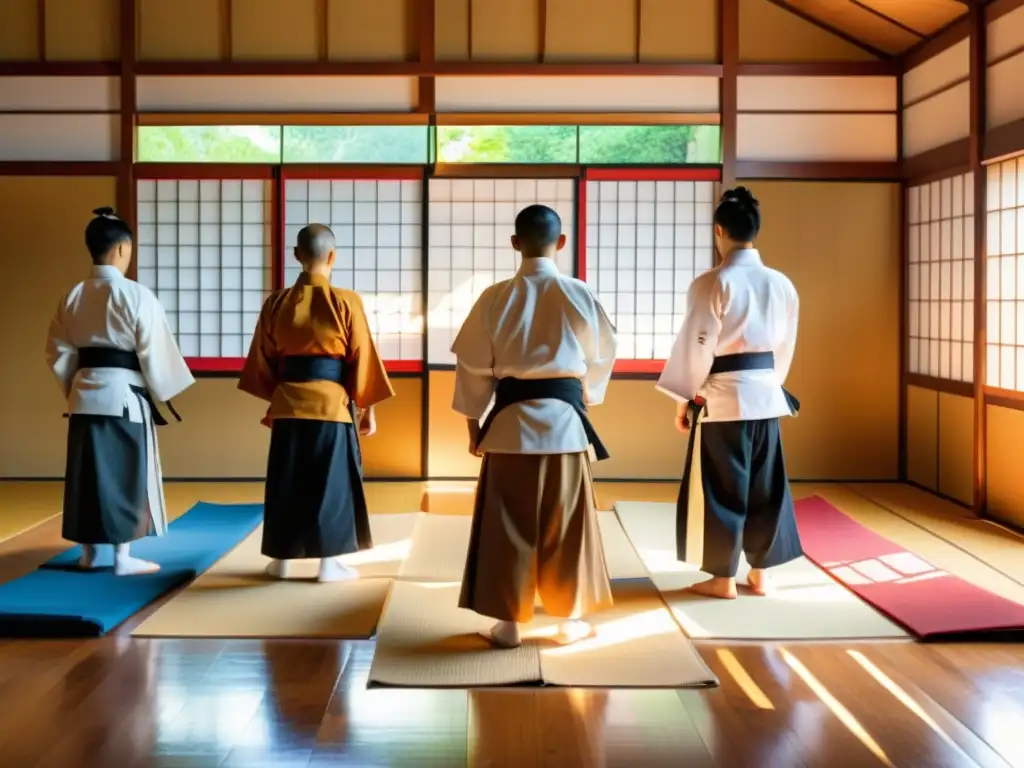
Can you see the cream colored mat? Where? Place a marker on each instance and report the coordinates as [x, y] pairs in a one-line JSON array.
[[236, 599], [807, 604], [426, 640]]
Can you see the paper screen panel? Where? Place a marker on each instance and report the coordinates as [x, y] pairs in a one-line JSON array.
[[940, 278], [471, 223], [377, 226], [1004, 267], [646, 241], [204, 249]]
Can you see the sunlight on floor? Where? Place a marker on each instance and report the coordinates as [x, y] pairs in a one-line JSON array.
[[382, 553], [903, 698], [634, 627], [842, 713], [743, 679]]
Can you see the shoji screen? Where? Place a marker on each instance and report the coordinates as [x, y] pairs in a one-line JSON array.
[[377, 224], [647, 239], [940, 278], [1005, 275], [471, 222], [204, 248]]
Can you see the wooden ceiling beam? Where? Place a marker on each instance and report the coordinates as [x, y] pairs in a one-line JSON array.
[[831, 29]]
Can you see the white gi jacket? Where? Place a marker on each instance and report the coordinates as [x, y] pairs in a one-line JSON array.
[[739, 306], [539, 324]]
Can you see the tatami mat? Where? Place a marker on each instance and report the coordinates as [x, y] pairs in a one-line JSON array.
[[426, 640], [807, 603], [994, 545], [236, 599]]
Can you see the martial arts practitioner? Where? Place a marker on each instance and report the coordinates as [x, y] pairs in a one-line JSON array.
[[726, 370], [113, 353], [542, 348], [313, 359]]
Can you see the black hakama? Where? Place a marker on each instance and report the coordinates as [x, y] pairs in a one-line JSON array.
[[747, 505], [112, 491], [315, 505]]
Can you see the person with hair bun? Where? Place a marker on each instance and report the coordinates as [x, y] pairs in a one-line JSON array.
[[112, 351], [726, 372]]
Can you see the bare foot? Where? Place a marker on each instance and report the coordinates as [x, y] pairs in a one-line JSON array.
[[88, 559], [504, 634], [573, 631], [716, 586], [759, 582]]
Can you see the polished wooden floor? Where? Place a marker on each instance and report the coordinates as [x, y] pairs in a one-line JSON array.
[[128, 703]]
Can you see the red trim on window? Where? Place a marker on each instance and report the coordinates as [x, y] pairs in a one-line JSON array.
[[215, 364], [403, 366], [235, 365], [638, 366], [581, 226], [653, 174], [203, 171], [276, 232], [353, 172]]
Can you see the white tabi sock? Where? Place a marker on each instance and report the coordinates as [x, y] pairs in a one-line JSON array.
[[126, 565], [279, 569], [332, 569], [504, 634], [88, 558]]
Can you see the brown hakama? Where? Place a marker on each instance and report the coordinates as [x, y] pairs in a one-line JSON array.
[[535, 532]]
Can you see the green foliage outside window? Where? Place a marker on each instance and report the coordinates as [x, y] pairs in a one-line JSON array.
[[209, 144], [415, 144]]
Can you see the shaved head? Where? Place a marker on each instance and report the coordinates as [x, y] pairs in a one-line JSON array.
[[315, 243]]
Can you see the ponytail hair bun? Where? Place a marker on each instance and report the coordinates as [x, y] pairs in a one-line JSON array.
[[741, 195], [739, 214], [105, 233]]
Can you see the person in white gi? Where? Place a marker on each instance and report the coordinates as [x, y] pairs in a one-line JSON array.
[[542, 349], [112, 351], [726, 370]]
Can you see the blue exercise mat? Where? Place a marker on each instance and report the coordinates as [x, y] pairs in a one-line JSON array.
[[58, 600]]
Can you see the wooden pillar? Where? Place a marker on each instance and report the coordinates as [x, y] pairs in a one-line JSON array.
[[126, 160], [904, 345], [978, 64], [729, 50], [426, 104]]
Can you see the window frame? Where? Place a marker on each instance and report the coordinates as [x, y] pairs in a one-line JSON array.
[[276, 175], [639, 368], [219, 172], [354, 172]]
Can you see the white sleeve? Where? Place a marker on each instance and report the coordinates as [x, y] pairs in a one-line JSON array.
[[61, 354], [474, 367], [693, 352], [598, 342], [163, 367], [784, 354]]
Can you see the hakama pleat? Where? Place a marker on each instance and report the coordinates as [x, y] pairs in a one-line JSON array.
[[315, 505], [535, 532], [113, 491], [735, 498]]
